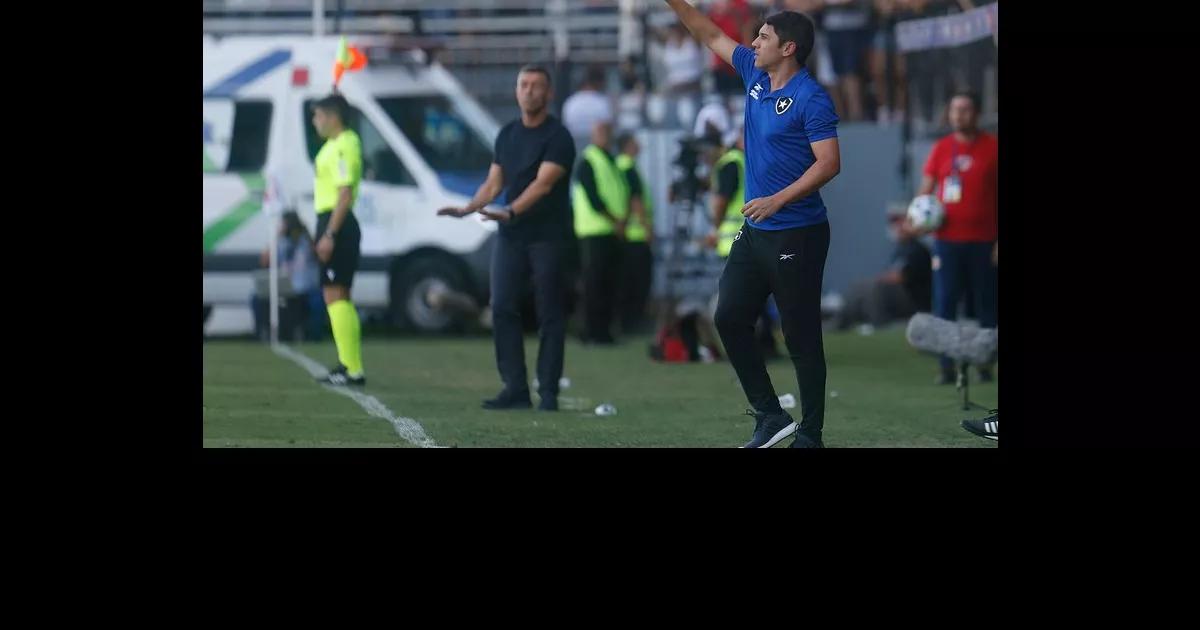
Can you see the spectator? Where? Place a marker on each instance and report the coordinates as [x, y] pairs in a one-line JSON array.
[[301, 307], [962, 172], [818, 63], [904, 289], [633, 94], [731, 16], [587, 106], [968, 62], [922, 68], [713, 121], [683, 62], [847, 29], [809, 7], [890, 88], [683, 68]]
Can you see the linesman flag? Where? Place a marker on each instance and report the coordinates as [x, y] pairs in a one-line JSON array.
[[348, 58]]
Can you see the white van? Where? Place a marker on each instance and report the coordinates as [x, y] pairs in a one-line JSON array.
[[426, 144]]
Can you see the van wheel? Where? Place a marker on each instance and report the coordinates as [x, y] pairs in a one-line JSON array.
[[410, 306]]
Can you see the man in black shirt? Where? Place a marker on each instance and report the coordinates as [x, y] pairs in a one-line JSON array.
[[637, 257], [600, 201], [904, 289], [532, 157], [728, 196]]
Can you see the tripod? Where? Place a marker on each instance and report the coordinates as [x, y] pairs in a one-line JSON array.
[[686, 193], [963, 385]]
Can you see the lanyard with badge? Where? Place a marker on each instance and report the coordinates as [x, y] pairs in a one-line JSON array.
[[952, 186]]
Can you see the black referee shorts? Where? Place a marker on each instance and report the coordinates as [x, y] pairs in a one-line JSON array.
[[344, 262]]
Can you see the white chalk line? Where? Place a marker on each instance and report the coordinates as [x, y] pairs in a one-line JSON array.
[[407, 428]]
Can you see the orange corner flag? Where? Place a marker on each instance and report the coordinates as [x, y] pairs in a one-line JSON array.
[[348, 58]]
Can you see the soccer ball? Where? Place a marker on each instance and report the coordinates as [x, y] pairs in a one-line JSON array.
[[926, 213]]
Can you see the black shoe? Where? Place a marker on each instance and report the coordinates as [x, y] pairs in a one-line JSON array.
[[339, 376], [770, 428], [508, 400], [803, 440], [946, 377], [985, 375], [988, 427], [548, 403]]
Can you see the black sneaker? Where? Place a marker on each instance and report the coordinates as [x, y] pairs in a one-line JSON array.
[[769, 428], [508, 400], [988, 427], [803, 440], [340, 377], [548, 403]]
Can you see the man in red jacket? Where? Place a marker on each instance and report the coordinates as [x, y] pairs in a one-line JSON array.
[[962, 172]]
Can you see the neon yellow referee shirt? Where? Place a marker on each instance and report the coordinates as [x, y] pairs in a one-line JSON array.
[[338, 164]]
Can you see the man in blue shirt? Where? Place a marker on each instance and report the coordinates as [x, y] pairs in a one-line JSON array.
[[791, 151]]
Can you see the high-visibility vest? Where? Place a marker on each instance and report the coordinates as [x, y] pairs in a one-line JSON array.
[[733, 210], [612, 189], [635, 230]]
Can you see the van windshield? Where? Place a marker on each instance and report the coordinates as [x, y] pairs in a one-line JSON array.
[[456, 152]]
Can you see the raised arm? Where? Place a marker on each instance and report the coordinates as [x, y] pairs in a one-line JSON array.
[[704, 30]]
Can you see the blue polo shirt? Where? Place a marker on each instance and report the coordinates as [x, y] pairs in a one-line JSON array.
[[780, 127]]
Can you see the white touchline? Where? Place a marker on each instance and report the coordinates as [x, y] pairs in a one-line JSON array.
[[407, 428]]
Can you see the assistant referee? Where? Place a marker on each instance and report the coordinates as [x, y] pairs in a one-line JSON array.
[[339, 170]]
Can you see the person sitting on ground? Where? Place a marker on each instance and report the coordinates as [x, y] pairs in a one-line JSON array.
[[904, 289], [299, 293]]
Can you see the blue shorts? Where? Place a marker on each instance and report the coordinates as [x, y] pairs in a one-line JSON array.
[[848, 49]]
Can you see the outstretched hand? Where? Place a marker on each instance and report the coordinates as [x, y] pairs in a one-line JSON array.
[[454, 212]]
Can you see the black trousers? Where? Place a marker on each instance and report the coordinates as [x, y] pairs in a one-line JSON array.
[[789, 264], [514, 263], [636, 273], [601, 269]]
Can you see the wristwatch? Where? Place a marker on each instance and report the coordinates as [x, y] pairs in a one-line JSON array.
[[512, 214]]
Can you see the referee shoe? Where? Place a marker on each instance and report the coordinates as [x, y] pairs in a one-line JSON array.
[[339, 376]]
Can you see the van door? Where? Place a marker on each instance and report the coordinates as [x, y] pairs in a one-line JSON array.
[[236, 137]]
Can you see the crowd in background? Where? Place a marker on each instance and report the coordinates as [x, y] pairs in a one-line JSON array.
[[856, 56]]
